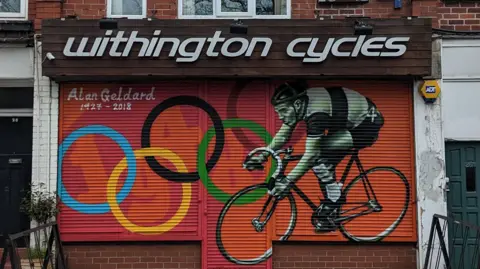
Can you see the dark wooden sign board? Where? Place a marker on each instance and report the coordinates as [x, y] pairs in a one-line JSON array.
[[416, 61]]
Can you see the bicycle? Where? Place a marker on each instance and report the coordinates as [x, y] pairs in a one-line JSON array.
[[372, 204]]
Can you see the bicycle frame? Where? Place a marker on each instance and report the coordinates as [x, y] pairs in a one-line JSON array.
[[281, 167]]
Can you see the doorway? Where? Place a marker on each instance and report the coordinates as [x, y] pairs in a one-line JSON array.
[[463, 200], [16, 135]]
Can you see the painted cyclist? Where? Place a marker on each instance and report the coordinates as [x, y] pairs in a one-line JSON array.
[[337, 120]]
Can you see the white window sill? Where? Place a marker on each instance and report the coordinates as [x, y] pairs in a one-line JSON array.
[[197, 17], [11, 17], [127, 17]]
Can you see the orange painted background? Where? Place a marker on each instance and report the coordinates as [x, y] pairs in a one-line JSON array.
[[105, 198]]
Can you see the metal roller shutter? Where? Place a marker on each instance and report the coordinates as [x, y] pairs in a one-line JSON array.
[[391, 159], [99, 146], [217, 125], [244, 107], [391, 179]]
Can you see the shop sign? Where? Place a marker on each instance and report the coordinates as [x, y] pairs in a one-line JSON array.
[[377, 46]]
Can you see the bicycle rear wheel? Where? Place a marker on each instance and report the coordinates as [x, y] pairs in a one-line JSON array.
[[223, 230], [395, 178]]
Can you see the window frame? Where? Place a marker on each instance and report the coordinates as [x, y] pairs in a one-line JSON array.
[[142, 16], [22, 15], [217, 14]]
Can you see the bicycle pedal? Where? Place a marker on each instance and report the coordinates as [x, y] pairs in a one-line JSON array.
[[325, 229], [375, 206]]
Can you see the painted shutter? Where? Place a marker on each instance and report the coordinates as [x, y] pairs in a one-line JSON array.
[[97, 132], [190, 128], [243, 106], [394, 149]]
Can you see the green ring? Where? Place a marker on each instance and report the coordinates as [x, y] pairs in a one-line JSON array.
[[212, 189]]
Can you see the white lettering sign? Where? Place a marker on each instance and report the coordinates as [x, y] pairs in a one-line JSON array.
[[373, 47], [110, 99], [379, 46], [108, 95]]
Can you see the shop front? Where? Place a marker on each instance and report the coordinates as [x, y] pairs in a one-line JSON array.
[[163, 124]]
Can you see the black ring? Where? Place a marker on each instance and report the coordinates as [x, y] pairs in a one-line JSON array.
[[219, 139]]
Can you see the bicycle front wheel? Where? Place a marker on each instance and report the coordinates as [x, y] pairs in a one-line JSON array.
[[392, 192], [238, 228]]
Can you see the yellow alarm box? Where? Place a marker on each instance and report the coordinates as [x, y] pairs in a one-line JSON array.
[[430, 91]]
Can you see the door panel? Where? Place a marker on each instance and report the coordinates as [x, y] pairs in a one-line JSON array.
[[463, 199], [15, 172]]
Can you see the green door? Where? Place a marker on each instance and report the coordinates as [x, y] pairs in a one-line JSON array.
[[463, 201]]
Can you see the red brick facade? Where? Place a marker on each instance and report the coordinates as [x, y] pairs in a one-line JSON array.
[[284, 256], [134, 256], [456, 16], [344, 256]]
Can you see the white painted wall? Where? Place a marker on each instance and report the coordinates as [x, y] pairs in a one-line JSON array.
[[461, 89], [45, 130], [16, 63], [45, 127], [455, 115], [430, 172]]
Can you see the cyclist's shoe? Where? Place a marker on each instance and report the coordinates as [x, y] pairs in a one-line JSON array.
[[325, 215]]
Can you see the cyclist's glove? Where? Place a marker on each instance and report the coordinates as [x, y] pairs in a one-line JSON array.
[[256, 162]]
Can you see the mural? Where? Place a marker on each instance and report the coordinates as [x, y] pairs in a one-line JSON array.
[[216, 162]]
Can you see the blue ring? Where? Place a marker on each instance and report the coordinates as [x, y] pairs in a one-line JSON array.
[[131, 162]]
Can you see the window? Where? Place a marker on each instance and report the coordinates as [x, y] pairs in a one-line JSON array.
[[133, 9], [234, 8], [13, 9], [471, 176]]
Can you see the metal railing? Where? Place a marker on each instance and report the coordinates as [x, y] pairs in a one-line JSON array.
[[458, 244], [35, 248]]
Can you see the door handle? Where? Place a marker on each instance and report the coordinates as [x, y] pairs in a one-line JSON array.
[[446, 184]]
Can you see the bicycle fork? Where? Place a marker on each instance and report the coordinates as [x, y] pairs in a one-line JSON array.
[[257, 223]]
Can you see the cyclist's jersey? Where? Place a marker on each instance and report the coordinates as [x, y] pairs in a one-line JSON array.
[[334, 108]]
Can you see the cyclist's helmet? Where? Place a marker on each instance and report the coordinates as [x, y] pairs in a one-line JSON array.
[[288, 92]]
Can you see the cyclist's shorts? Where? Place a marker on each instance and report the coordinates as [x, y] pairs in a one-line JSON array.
[[366, 133]]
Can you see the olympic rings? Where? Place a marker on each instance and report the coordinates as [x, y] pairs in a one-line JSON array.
[[212, 189], [182, 210], [219, 141], [130, 158]]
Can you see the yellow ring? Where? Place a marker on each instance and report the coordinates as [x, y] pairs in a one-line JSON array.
[[117, 212]]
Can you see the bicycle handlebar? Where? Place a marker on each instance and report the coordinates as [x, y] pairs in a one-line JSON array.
[[276, 155]]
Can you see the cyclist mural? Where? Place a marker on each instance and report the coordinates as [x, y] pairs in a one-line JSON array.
[[221, 166], [338, 120]]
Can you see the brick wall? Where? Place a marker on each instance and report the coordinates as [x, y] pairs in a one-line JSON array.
[[463, 17], [374, 9], [44, 9], [460, 17], [284, 256], [134, 256], [344, 256], [457, 16], [96, 9]]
